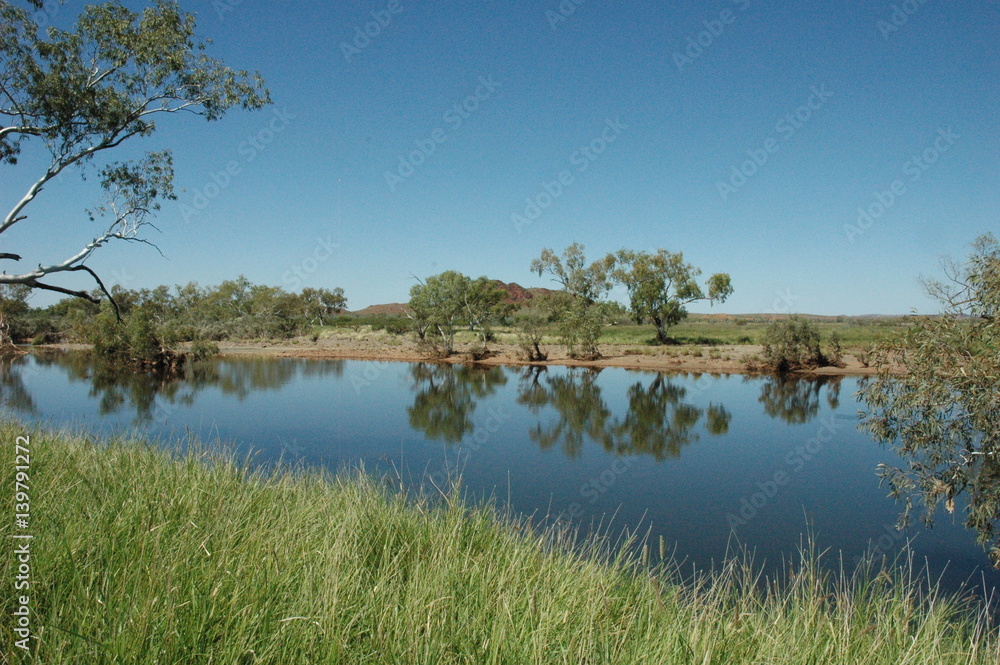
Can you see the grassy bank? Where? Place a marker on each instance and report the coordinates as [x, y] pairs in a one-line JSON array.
[[141, 557]]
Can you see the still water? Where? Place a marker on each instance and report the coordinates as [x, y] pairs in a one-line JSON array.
[[705, 462]]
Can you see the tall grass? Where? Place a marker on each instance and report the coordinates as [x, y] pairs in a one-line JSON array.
[[146, 557]]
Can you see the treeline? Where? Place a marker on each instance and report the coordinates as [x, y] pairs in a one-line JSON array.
[[147, 323], [235, 309]]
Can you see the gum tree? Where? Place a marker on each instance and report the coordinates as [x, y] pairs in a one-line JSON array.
[[77, 94], [581, 312], [444, 302], [661, 285], [936, 398]]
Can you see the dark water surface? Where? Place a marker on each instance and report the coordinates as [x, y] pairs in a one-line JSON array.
[[703, 461]]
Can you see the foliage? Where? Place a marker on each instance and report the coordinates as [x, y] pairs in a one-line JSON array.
[[13, 308], [586, 282], [234, 310], [131, 340], [531, 323], [792, 344], [80, 92], [203, 350], [580, 327], [580, 313], [660, 286], [444, 302], [319, 305], [936, 398], [836, 353]]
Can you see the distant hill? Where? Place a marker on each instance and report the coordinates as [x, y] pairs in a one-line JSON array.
[[518, 294], [515, 293], [389, 309]]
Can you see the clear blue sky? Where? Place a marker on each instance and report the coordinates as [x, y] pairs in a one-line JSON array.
[[668, 98]]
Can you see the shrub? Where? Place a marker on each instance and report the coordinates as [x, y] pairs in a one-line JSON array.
[[530, 327], [582, 330], [836, 356], [203, 349], [792, 344]]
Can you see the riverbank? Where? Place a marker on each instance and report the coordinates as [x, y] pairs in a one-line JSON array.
[[141, 556], [379, 345]]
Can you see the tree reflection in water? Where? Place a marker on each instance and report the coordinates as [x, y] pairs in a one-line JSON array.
[[152, 395], [797, 400], [659, 422], [661, 418], [446, 397], [576, 397], [13, 392]]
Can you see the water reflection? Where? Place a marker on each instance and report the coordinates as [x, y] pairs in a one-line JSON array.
[[445, 397], [152, 395], [797, 400], [13, 392], [658, 422], [641, 443], [569, 408]]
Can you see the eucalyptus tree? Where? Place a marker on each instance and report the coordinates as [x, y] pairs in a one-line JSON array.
[[582, 312], [661, 285], [320, 304], [442, 303], [936, 398], [75, 95]]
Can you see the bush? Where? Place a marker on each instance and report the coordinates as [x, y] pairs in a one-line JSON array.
[[203, 349], [792, 344], [836, 355], [398, 326], [530, 328], [132, 341], [580, 329]]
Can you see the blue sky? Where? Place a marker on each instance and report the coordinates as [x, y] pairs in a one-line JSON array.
[[626, 124]]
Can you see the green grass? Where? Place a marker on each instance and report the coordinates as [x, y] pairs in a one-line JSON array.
[[145, 557], [854, 333], [709, 332]]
